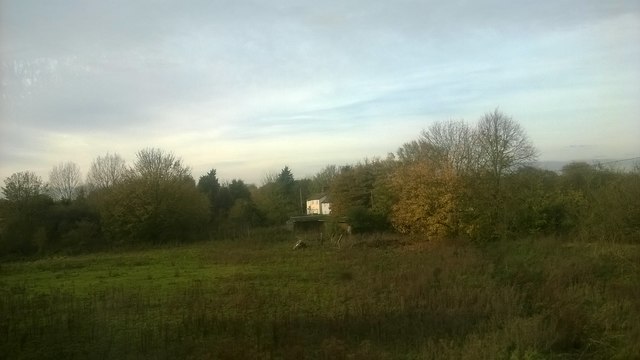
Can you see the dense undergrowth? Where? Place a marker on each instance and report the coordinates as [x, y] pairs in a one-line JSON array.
[[373, 297]]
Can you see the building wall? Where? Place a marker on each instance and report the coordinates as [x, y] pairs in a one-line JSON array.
[[326, 208], [318, 207], [313, 207]]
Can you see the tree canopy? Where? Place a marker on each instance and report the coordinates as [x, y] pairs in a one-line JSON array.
[[22, 186]]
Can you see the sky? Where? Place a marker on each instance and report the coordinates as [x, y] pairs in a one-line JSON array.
[[247, 87]]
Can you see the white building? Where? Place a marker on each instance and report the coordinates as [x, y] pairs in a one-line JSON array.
[[318, 205]]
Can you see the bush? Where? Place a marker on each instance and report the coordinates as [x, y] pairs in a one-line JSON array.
[[363, 220], [137, 211]]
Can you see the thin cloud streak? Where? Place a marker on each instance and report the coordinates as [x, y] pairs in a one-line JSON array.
[[250, 86]]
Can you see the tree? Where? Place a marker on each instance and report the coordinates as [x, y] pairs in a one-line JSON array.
[[352, 188], [106, 171], [534, 202], [451, 143], [209, 185], [64, 181], [285, 180], [278, 197], [158, 202], [22, 186], [415, 150], [233, 207], [503, 145], [321, 182], [361, 193], [428, 199], [156, 165], [503, 148], [170, 210], [23, 213], [239, 190]]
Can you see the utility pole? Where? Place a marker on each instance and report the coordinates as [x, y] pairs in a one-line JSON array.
[[301, 203]]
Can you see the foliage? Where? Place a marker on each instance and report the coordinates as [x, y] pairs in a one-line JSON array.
[[155, 165], [237, 209], [321, 182], [106, 171], [534, 204], [352, 188], [22, 214], [609, 208], [279, 197], [454, 181], [363, 220], [22, 186], [158, 202], [427, 200], [171, 210], [21, 230], [450, 181], [209, 185]]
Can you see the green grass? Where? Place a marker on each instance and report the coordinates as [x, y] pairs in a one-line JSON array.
[[373, 298]]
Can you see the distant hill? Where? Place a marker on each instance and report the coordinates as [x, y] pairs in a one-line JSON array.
[[616, 164]]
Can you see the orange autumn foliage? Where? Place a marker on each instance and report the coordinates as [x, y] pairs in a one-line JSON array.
[[428, 199]]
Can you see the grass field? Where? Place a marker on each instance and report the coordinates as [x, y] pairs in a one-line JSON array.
[[379, 297]]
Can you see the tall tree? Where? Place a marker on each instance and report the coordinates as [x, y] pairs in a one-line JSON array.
[[361, 194], [157, 202], [503, 148], [23, 213], [503, 145], [451, 143], [209, 185], [156, 164], [64, 181], [22, 186], [428, 199], [278, 197], [285, 179], [243, 212], [416, 150], [106, 171], [352, 188], [239, 190]]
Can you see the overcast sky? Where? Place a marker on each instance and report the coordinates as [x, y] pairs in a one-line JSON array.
[[247, 87]]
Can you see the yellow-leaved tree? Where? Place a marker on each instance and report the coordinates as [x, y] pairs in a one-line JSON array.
[[428, 199]]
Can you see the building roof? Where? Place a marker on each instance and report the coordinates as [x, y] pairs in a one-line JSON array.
[[316, 197]]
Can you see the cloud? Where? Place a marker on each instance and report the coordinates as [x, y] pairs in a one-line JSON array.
[[234, 83]]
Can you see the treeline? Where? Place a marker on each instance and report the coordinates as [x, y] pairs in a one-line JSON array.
[[155, 200], [455, 180], [477, 182]]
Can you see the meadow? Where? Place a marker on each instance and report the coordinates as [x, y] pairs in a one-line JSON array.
[[371, 297]]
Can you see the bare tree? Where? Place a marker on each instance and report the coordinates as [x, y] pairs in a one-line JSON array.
[[64, 181], [503, 144], [452, 142], [415, 151], [106, 171], [22, 186], [157, 165]]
